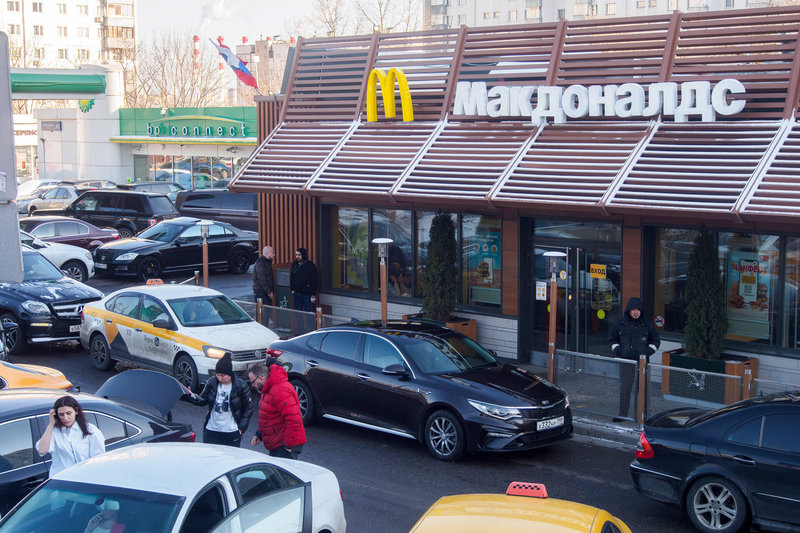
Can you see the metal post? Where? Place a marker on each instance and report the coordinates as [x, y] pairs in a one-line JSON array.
[[551, 340], [259, 305], [384, 292], [642, 389], [747, 384], [205, 262], [319, 317], [197, 277]]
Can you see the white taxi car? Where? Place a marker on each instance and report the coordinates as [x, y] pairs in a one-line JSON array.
[[180, 329], [184, 488]]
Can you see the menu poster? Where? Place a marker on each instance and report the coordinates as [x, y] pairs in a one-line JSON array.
[[484, 259], [748, 294]]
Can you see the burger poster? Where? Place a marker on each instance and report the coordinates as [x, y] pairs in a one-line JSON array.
[[748, 294], [484, 267]]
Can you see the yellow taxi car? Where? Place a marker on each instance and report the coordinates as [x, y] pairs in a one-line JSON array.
[[182, 330], [15, 376], [524, 507]]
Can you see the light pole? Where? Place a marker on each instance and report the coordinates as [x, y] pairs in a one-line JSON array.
[[551, 337], [383, 252], [204, 224]]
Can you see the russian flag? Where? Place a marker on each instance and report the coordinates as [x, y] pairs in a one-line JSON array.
[[237, 65]]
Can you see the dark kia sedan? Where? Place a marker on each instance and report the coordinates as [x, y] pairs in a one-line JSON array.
[[24, 418], [736, 465], [66, 230], [175, 245], [425, 382]]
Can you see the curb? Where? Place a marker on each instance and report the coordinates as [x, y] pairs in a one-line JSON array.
[[622, 433]]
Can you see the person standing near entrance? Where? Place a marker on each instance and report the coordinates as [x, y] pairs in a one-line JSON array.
[[633, 336], [303, 284], [263, 277]]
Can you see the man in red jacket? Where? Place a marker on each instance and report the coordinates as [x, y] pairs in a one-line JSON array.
[[280, 424]]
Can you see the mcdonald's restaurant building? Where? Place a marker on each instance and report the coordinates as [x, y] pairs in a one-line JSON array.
[[611, 141]]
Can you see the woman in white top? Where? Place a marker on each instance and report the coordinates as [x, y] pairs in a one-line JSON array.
[[69, 437]]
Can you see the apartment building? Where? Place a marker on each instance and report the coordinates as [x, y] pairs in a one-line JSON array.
[[442, 14], [67, 33]]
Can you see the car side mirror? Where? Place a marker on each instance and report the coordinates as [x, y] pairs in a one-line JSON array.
[[163, 323], [395, 369], [36, 243], [180, 241]]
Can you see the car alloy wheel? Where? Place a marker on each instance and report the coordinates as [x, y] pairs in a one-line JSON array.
[[15, 339], [444, 436], [75, 270], [124, 233], [149, 267], [239, 262], [306, 401], [715, 505], [185, 372], [100, 353]]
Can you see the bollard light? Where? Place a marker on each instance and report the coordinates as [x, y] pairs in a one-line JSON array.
[[383, 252], [204, 225]]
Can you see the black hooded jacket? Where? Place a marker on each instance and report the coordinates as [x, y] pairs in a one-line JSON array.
[[632, 338], [303, 275], [240, 402]]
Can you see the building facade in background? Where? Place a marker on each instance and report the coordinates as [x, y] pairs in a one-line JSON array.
[[266, 59], [442, 14]]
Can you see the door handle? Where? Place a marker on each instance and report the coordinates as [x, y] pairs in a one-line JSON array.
[[743, 459], [364, 377], [139, 330], [31, 483], [312, 363], [108, 321]]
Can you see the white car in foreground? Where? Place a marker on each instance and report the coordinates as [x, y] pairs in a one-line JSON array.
[[184, 488], [75, 262]]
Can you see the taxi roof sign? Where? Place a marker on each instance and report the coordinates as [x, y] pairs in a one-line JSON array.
[[521, 488], [154, 281]]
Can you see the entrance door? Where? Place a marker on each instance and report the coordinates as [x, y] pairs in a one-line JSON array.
[[587, 298]]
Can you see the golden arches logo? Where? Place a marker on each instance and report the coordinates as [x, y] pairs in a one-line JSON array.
[[387, 90]]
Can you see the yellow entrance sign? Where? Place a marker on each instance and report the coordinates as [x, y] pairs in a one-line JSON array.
[[597, 271], [387, 90]]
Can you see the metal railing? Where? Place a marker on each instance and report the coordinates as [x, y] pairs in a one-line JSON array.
[[765, 386], [669, 387], [288, 322]]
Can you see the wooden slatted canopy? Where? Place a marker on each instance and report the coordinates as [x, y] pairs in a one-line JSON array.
[[743, 167]]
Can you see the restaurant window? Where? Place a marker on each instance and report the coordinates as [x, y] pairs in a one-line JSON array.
[[673, 5], [396, 224], [673, 248], [349, 238], [512, 16], [611, 9], [791, 306], [751, 283], [481, 256]]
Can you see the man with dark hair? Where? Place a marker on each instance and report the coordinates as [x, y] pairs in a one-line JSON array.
[[280, 422], [303, 284]]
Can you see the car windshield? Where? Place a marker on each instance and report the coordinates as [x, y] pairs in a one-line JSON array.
[[72, 505], [37, 268], [439, 355], [207, 311], [162, 232]]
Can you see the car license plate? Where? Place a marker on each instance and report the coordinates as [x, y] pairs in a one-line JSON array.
[[77, 327], [550, 424], [100, 265]]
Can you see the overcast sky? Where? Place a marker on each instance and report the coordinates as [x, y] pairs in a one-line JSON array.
[[230, 18]]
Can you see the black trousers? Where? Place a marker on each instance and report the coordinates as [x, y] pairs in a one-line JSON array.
[[234, 438], [286, 454], [627, 373]]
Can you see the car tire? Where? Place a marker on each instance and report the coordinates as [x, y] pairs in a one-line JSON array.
[[76, 270], [239, 262], [715, 505], [185, 371], [149, 267], [124, 232], [15, 340], [100, 353], [306, 400], [444, 436]]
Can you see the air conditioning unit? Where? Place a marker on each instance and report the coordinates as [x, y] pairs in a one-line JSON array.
[[98, 19]]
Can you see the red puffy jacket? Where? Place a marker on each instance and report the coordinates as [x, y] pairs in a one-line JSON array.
[[279, 419]]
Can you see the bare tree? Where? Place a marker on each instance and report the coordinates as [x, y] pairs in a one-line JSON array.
[[167, 76], [330, 18], [387, 16]]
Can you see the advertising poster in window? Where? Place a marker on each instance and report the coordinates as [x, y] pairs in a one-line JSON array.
[[484, 267], [749, 294]]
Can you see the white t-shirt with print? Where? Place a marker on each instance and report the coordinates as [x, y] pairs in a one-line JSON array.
[[221, 418]]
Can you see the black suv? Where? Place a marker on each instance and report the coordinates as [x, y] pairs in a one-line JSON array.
[[161, 187], [47, 305], [128, 212], [237, 209]]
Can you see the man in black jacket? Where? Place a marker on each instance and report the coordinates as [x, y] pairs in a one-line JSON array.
[[633, 336], [263, 278], [303, 284]]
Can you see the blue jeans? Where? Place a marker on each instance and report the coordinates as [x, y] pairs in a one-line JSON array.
[[302, 302]]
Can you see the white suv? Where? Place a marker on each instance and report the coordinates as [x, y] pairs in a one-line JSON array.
[[76, 262]]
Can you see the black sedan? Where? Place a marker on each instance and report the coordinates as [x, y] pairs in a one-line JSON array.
[[425, 382], [24, 418], [176, 244], [727, 467]]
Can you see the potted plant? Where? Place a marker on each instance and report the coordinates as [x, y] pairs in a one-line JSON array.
[[439, 277], [705, 330]]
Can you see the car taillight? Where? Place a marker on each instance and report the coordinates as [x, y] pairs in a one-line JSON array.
[[643, 448], [153, 221], [274, 353], [188, 437]]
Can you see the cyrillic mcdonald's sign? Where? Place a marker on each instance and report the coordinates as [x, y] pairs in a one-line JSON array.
[[387, 90]]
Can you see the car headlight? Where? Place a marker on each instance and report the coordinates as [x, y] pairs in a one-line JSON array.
[[89, 256], [496, 411], [35, 308], [566, 401], [213, 352], [130, 256]]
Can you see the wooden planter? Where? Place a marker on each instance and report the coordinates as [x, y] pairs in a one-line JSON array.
[[728, 364], [467, 326]]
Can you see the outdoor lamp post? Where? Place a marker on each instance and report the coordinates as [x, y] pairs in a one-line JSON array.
[[551, 337], [204, 224], [383, 252]]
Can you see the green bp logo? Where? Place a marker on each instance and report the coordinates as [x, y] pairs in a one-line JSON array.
[[85, 105]]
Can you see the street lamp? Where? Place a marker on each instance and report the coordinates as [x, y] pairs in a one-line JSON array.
[[383, 252], [551, 337], [204, 224]]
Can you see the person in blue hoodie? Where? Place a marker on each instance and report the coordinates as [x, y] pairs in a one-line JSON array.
[[634, 335]]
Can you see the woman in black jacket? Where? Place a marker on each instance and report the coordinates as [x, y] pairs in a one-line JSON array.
[[229, 405], [633, 336]]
